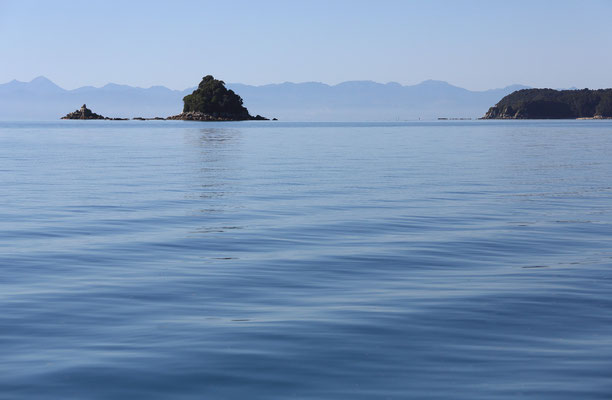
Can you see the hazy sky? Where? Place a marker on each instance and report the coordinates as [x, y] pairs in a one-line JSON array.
[[473, 44]]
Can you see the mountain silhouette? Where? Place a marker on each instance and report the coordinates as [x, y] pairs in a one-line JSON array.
[[41, 99]]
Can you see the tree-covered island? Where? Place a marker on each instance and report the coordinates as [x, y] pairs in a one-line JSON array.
[[212, 101], [553, 104]]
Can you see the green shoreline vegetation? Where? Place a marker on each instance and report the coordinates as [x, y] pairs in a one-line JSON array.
[[553, 104]]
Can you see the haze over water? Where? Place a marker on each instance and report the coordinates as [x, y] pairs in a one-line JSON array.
[[312, 261]]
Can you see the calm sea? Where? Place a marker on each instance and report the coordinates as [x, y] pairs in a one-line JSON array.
[[177, 260]]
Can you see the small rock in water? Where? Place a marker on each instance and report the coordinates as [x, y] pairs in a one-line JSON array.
[[83, 113]]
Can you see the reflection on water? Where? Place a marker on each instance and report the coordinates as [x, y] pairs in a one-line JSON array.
[[271, 260], [217, 161]]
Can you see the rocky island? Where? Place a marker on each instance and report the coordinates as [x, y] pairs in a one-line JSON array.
[[553, 104], [83, 113], [86, 113], [212, 101]]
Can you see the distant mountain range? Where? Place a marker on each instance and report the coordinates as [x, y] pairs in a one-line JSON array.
[[42, 99]]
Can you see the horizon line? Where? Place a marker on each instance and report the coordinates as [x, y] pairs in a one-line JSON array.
[[42, 77]]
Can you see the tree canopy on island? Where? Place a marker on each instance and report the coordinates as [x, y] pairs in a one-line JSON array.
[[553, 104], [213, 98]]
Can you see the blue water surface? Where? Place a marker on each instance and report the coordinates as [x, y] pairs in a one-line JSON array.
[[261, 260]]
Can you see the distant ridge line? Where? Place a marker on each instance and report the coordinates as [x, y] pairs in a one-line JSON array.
[[43, 79], [350, 101]]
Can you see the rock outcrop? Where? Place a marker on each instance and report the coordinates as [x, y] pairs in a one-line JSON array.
[[212, 101], [200, 116], [83, 113], [553, 104], [86, 113]]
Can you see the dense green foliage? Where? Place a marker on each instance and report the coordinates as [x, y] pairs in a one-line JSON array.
[[550, 104], [213, 98]]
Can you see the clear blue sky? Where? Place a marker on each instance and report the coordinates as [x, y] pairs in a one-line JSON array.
[[473, 44]]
